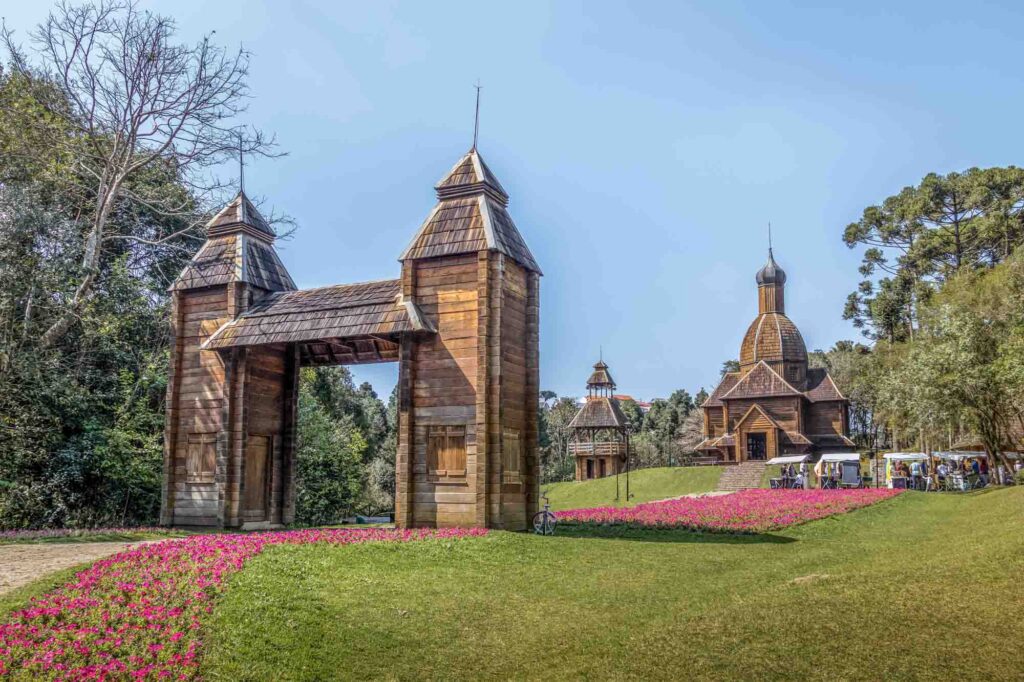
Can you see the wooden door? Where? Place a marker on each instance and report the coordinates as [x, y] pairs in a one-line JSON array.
[[257, 464], [757, 446], [590, 469], [601, 468]]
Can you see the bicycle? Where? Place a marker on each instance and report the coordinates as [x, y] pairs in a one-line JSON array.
[[544, 521]]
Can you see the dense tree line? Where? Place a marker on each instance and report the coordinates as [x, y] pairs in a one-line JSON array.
[[946, 317], [108, 128]]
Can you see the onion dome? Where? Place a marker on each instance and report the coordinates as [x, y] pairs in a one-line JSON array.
[[771, 273], [772, 337]]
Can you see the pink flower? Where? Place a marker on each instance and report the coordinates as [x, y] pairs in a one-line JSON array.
[[749, 511], [139, 613]]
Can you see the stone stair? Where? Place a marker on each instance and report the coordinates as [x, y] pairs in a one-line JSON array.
[[742, 476]]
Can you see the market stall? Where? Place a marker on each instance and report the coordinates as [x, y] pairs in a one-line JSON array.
[[791, 472], [839, 470], [899, 470]]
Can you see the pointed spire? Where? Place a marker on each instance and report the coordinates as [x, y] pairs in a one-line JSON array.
[[240, 216], [476, 120], [241, 166], [471, 176]]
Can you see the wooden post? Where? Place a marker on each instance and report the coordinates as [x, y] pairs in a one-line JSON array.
[[171, 418]]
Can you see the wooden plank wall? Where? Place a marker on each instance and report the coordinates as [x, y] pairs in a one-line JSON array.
[[785, 411], [513, 496], [196, 404], [443, 371], [825, 418], [264, 416], [531, 397]]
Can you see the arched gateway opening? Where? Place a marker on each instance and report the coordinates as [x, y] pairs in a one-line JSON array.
[[461, 320]]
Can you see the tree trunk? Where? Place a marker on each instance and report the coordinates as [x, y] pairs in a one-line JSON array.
[[90, 266]]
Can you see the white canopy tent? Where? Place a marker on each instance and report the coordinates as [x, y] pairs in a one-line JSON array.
[[906, 456], [788, 459], [840, 457], [957, 456]]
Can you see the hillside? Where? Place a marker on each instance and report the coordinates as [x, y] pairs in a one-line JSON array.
[[644, 485]]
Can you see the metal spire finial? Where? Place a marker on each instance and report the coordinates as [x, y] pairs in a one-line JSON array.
[[241, 165], [769, 237], [476, 121]]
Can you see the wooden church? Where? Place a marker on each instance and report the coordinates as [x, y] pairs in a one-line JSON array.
[[775, 404], [461, 320]]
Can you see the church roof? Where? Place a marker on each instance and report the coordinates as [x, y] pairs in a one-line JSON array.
[[772, 337], [761, 382], [335, 312], [821, 387], [724, 386], [771, 273], [599, 413], [470, 216], [600, 376]]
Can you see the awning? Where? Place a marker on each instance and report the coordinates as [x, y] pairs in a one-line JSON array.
[[788, 459], [957, 456], [906, 456], [962, 455], [840, 457]]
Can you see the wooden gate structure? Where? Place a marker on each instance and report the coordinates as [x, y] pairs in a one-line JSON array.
[[461, 320]]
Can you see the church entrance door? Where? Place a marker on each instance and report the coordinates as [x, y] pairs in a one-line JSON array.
[[756, 446]]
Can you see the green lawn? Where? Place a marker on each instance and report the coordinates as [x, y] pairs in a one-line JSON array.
[[644, 485], [919, 587]]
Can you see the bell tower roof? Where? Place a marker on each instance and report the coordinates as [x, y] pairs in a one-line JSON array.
[[470, 216], [771, 273]]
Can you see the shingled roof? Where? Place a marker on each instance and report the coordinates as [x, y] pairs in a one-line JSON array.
[[761, 382], [600, 377], [724, 386], [235, 258], [240, 211], [335, 312], [599, 413], [821, 387], [470, 216]]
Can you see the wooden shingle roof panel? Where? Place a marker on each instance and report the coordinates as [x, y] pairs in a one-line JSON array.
[[761, 382], [821, 387], [724, 386], [599, 413], [336, 312], [774, 338]]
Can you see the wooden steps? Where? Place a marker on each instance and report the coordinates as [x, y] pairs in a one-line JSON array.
[[743, 476]]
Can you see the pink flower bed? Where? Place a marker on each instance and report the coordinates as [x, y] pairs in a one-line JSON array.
[[139, 613], [749, 511]]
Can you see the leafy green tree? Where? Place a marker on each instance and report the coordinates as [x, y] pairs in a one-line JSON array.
[[634, 415], [924, 235], [328, 459]]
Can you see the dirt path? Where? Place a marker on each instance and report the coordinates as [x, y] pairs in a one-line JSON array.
[[21, 564]]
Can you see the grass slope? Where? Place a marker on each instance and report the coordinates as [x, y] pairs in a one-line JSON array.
[[922, 586], [644, 485]]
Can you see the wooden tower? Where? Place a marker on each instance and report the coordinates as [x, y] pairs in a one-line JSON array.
[[226, 427], [468, 398], [462, 321], [600, 430]]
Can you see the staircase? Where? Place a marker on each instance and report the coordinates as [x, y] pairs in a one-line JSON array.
[[743, 476]]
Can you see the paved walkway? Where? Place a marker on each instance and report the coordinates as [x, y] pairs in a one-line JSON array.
[[21, 564]]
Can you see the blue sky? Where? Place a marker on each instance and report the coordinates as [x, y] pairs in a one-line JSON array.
[[645, 147]]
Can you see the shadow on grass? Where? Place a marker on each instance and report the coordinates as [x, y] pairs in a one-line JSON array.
[[638, 534]]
